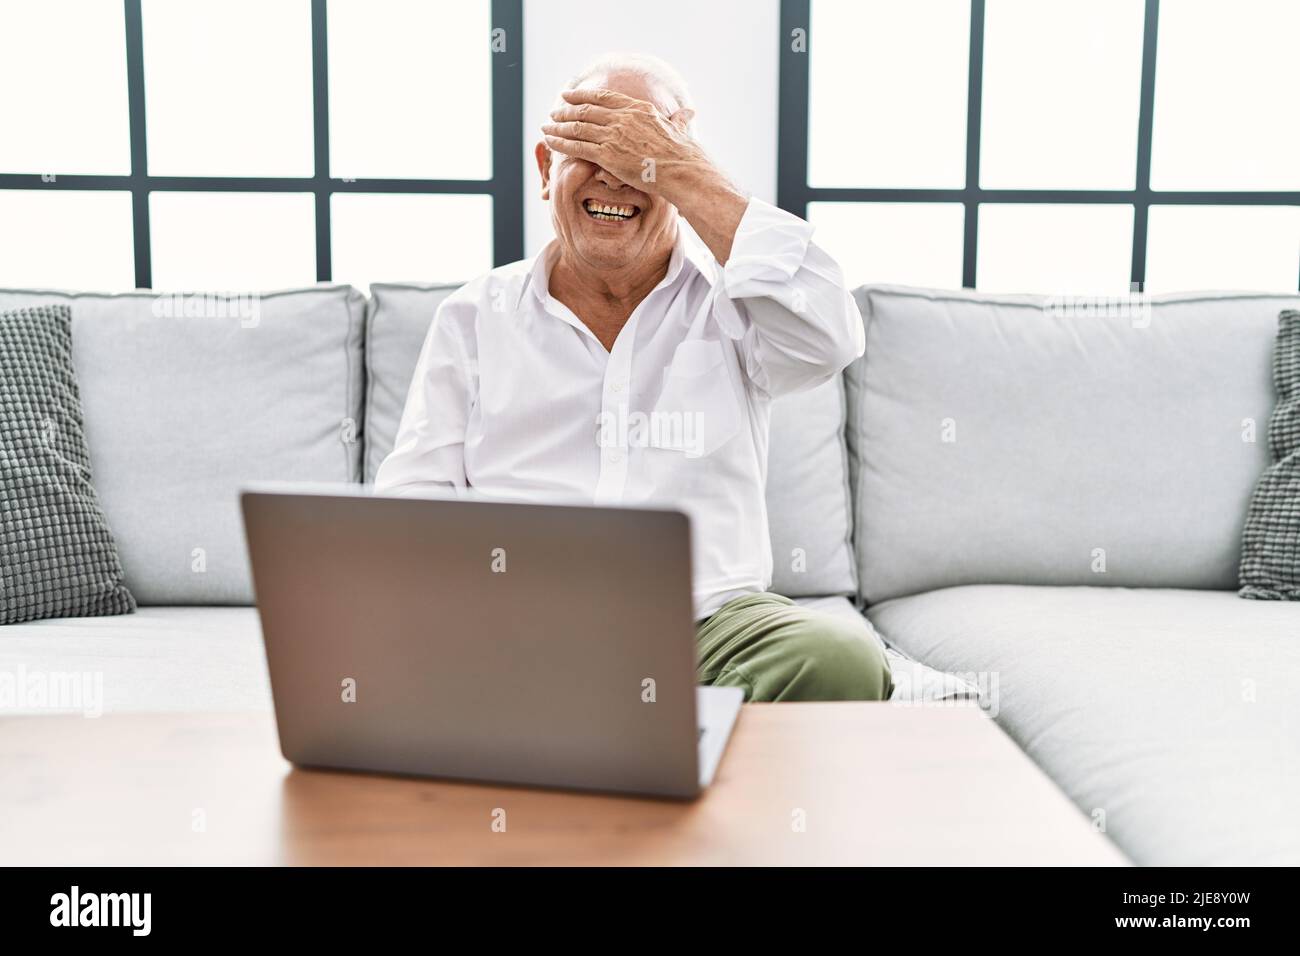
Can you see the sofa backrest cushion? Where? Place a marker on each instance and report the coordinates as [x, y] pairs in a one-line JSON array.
[[1027, 440], [807, 483], [808, 507], [189, 397], [397, 318]]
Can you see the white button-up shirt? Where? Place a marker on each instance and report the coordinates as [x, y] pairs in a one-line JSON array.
[[514, 397]]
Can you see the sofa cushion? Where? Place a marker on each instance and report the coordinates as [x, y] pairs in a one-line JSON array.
[[1170, 717], [1270, 546], [158, 659], [1010, 439], [807, 482], [187, 398], [211, 658], [397, 319], [808, 506], [57, 555]]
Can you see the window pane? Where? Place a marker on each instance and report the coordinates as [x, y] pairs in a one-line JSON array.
[[232, 241], [66, 240], [887, 93], [63, 77], [404, 77], [1226, 105], [228, 87], [902, 243], [1055, 249], [1223, 247], [410, 238], [1061, 90]]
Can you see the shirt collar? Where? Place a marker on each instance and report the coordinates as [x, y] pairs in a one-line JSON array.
[[688, 253]]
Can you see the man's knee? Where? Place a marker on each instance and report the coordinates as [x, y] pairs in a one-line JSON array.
[[836, 660]]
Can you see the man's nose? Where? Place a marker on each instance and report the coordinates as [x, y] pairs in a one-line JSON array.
[[605, 177]]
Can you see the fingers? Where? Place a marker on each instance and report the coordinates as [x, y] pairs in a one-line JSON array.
[[585, 112], [584, 131], [606, 98], [577, 148]]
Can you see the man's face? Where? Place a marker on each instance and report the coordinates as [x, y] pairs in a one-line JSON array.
[[640, 227]]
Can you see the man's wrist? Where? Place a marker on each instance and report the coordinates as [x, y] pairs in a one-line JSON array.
[[711, 204], [699, 185]]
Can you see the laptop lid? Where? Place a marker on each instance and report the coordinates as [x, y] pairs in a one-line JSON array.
[[532, 644]]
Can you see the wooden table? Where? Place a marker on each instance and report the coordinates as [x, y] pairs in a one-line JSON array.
[[799, 784]]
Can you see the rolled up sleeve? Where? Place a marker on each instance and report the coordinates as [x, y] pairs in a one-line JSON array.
[[784, 300]]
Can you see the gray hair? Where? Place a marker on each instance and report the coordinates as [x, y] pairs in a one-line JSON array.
[[642, 64]]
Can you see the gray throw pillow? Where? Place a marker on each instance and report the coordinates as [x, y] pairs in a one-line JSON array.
[[1270, 547], [57, 556]]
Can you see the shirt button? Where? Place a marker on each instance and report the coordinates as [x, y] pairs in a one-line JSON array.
[[615, 457], [616, 387]]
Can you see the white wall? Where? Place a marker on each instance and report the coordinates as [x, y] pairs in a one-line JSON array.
[[726, 50]]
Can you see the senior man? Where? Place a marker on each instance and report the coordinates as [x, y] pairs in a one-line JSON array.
[[627, 365]]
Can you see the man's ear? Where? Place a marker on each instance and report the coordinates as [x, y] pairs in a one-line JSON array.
[[682, 118], [543, 154]]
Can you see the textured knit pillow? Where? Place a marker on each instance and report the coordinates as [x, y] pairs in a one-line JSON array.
[[1270, 548], [57, 557]]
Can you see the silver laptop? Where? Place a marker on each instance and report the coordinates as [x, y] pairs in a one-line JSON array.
[[530, 644]]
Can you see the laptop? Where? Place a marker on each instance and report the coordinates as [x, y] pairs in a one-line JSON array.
[[544, 645]]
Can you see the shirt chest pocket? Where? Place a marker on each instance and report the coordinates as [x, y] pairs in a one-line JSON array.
[[698, 410]]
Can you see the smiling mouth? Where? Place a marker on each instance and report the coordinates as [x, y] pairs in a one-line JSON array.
[[609, 212]]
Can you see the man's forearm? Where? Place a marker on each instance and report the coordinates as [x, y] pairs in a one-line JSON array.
[[711, 204]]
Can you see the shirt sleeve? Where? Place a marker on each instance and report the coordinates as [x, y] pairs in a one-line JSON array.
[[428, 456], [783, 299]]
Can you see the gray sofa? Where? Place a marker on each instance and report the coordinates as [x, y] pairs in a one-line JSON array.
[[1035, 503]]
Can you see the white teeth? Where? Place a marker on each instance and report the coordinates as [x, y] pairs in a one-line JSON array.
[[606, 211]]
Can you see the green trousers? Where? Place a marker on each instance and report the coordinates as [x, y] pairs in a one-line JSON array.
[[774, 649]]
